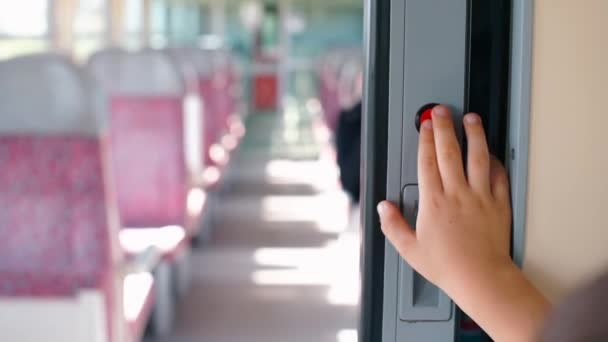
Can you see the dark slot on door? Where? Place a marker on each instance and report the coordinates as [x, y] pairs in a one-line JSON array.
[[489, 51], [487, 89]]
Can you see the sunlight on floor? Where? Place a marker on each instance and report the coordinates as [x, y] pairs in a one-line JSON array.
[[320, 174], [335, 266], [347, 335], [328, 210]]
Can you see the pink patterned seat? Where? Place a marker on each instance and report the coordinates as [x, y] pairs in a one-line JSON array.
[[147, 138], [340, 83], [226, 81], [235, 120], [214, 93], [159, 201], [149, 167], [203, 91], [330, 79], [58, 257], [53, 191]]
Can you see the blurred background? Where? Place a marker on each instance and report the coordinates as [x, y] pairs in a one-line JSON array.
[[228, 133]]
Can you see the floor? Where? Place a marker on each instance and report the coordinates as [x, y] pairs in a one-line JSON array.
[[282, 260]]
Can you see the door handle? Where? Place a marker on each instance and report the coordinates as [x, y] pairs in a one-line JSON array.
[[419, 299]]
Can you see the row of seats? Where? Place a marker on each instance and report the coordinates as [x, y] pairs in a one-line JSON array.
[[105, 175], [340, 80]]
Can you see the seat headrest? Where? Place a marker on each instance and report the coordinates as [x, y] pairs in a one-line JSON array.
[[351, 68], [202, 60], [104, 66], [185, 61], [47, 94], [143, 73]]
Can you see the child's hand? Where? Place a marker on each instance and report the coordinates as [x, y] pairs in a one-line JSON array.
[[463, 223], [462, 236]]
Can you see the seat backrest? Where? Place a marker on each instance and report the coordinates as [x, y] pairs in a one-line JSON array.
[[330, 96], [234, 80], [183, 58], [211, 93], [54, 231], [147, 139], [222, 66], [350, 82], [338, 71], [194, 120]]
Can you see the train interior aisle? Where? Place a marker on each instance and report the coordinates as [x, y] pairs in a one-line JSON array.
[[281, 263], [210, 170], [178, 170]]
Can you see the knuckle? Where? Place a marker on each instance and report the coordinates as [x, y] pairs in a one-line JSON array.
[[479, 161], [435, 202], [428, 162], [450, 153]]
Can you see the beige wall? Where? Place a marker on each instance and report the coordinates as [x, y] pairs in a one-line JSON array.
[[567, 227]]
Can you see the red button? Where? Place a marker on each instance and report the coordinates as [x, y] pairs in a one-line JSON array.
[[423, 114], [426, 115]]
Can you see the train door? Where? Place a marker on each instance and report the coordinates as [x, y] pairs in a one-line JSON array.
[[472, 55]]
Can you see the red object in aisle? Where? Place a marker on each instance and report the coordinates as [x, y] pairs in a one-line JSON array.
[[265, 92]]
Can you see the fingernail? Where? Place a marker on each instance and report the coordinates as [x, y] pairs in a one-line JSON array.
[[381, 208], [427, 124], [440, 111], [471, 119]]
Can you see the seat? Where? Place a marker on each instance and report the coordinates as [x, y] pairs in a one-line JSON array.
[[206, 130], [328, 77], [225, 79], [147, 105], [213, 91], [62, 274], [156, 194], [236, 126], [350, 81]]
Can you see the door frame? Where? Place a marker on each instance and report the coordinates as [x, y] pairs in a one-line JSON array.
[[375, 140]]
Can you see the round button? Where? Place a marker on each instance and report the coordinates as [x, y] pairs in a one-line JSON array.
[[423, 114]]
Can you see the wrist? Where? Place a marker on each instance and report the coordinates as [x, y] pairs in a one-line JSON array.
[[499, 297], [479, 273]]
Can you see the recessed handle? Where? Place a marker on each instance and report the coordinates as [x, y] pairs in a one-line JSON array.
[[419, 299]]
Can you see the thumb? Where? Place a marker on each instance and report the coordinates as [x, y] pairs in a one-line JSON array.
[[399, 232]]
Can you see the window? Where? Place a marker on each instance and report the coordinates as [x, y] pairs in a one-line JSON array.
[[134, 23], [186, 23], [90, 27], [159, 23], [24, 27]]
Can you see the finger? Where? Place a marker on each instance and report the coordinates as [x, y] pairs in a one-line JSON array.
[[397, 230], [449, 157], [499, 183], [429, 178], [478, 158]]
